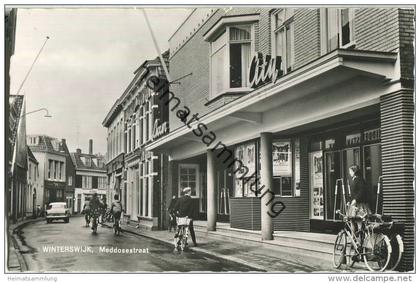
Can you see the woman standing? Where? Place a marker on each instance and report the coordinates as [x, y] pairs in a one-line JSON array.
[[359, 205]]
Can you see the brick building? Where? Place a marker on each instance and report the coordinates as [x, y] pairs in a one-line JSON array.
[[134, 121], [90, 177], [289, 98]]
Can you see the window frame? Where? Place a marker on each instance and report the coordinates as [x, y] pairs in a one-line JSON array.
[[226, 67], [287, 22], [324, 29], [196, 167]]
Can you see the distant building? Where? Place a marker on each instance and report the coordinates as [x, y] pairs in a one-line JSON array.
[[17, 158], [34, 184], [53, 162], [90, 177]]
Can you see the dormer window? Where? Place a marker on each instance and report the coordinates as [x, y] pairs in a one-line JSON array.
[[231, 50]]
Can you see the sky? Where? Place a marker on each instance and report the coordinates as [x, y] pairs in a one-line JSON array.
[[85, 66]]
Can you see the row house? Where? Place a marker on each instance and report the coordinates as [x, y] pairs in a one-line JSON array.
[[17, 158], [134, 121], [32, 207], [90, 177], [287, 99], [54, 170]]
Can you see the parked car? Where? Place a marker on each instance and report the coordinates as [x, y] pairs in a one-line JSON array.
[[57, 211]]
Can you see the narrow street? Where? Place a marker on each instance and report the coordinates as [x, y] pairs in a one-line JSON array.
[[40, 236]]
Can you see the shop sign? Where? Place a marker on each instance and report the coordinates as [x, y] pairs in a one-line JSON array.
[[353, 139], [159, 130], [372, 135], [264, 70]]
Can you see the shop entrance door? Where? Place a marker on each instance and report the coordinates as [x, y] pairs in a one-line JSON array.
[[372, 170], [337, 164]]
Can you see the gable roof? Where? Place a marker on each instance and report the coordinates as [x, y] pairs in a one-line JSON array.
[[31, 156], [47, 144], [81, 161]]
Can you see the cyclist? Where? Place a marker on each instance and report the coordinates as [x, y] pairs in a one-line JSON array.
[[184, 207], [116, 210], [95, 209]]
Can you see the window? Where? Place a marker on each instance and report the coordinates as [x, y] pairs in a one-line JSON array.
[[283, 38], [30, 170], [230, 56], [337, 28], [70, 181], [188, 177], [282, 168], [50, 168]]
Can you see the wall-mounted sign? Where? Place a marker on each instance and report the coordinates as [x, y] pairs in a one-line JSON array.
[[353, 139], [372, 135], [159, 130], [264, 69]]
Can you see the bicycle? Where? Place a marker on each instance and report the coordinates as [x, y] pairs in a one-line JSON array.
[[371, 245], [182, 233], [94, 215]]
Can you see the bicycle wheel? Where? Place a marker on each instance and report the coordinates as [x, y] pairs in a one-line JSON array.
[[183, 242], [376, 251], [397, 251], [340, 246]]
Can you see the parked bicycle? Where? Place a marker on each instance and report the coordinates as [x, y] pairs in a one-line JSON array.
[[369, 245], [182, 233]]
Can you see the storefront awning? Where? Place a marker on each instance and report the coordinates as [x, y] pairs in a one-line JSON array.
[[338, 82]]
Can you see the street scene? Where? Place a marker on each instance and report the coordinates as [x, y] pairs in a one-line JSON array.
[[210, 139]]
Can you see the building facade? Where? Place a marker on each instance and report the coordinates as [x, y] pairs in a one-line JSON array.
[[144, 119], [17, 160], [53, 165], [114, 122], [278, 103], [90, 177], [34, 184]]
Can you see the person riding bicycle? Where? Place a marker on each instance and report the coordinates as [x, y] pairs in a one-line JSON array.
[[184, 207], [116, 210], [95, 209]]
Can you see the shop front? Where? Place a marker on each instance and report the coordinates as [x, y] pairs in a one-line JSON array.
[[297, 136]]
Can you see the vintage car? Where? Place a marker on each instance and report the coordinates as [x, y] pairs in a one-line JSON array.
[[57, 211]]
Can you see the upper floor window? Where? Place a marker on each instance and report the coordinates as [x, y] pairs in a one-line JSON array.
[[230, 56], [337, 28], [283, 37]]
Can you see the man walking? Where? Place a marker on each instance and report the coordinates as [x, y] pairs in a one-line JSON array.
[[185, 208]]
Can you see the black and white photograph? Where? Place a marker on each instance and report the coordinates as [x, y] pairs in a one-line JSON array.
[[260, 138]]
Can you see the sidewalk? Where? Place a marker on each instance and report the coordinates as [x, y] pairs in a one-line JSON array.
[[15, 261], [257, 255]]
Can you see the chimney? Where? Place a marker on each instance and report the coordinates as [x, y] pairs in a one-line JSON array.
[[78, 151], [90, 146]]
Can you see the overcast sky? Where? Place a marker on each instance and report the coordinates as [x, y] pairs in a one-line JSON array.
[[86, 65]]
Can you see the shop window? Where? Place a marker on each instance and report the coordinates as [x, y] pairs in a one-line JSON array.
[[282, 168], [337, 28], [283, 37], [246, 154], [188, 177], [230, 56]]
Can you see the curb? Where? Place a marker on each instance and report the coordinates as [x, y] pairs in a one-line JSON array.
[[18, 247], [259, 268]]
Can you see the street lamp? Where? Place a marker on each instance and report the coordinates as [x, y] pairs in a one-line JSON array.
[[41, 109]]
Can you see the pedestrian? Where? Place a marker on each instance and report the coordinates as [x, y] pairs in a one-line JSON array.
[[184, 207], [104, 207], [86, 211], [116, 210], [172, 214], [359, 205]]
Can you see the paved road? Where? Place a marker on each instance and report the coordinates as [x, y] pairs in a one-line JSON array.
[[150, 256]]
